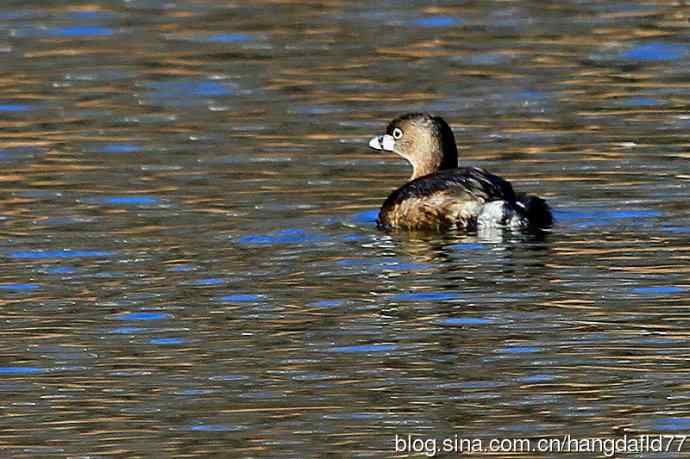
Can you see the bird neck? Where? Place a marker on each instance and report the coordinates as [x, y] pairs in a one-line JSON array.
[[434, 162]]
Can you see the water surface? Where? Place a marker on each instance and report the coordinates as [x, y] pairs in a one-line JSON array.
[[190, 261]]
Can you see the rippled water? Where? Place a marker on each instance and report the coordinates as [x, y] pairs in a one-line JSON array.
[[190, 262]]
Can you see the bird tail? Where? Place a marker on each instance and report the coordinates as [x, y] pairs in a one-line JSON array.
[[536, 210]]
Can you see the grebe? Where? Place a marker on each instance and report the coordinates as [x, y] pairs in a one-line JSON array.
[[440, 195]]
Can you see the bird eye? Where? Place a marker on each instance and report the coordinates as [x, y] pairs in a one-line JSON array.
[[397, 133]]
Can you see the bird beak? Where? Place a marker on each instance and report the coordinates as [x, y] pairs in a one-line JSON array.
[[382, 142]]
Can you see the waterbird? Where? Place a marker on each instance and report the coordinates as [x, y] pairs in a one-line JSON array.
[[440, 195]]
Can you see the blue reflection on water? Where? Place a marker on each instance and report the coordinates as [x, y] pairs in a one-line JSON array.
[[326, 304], [658, 290], [366, 217], [119, 148], [128, 330], [144, 316], [20, 370], [641, 102], [633, 214], [487, 58], [468, 246], [519, 349], [437, 21], [63, 32], [61, 270], [352, 237], [672, 423], [240, 298], [536, 378], [64, 253], [182, 268], [19, 286], [229, 37], [425, 296], [80, 31], [465, 321], [656, 51], [588, 217], [677, 229], [14, 107], [194, 392], [136, 200], [190, 88], [529, 95], [364, 348], [209, 281], [166, 341], [286, 236]]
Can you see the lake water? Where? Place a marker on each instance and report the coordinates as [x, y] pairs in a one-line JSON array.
[[190, 262]]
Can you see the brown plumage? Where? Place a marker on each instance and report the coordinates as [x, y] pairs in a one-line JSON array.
[[440, 195]]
